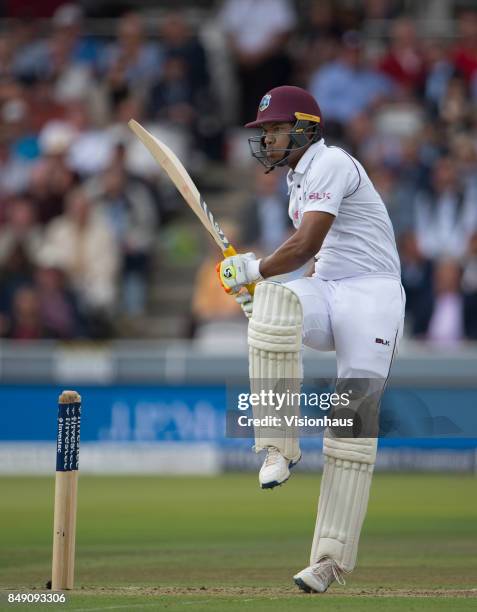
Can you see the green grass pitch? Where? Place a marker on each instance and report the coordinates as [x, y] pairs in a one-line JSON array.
[[220, 544]]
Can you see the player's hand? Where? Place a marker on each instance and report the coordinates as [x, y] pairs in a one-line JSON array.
[[245, 301], [237, 271]]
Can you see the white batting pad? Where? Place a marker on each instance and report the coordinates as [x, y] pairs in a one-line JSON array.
[[347, 473], [274, 339]]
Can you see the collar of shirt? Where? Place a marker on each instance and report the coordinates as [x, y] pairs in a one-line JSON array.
[[304, 162]]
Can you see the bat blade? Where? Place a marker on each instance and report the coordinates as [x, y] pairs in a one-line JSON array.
[[174, 168]]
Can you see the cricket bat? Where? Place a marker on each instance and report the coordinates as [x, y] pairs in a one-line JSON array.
[[173, 167]]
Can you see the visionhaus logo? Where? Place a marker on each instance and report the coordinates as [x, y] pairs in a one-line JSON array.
[[293, 421]]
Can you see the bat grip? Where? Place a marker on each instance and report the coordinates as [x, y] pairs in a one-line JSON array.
[[229, 252]]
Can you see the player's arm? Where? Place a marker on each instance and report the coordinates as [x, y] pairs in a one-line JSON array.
[[338, 175], [239, 270], [300, 247]]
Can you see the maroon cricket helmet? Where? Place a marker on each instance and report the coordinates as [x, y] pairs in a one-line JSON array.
[[282, 104]]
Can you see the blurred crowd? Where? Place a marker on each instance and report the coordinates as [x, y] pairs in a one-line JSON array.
[[82, 205]]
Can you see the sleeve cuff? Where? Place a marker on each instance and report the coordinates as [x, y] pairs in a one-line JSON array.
[[254, 270], [332, 210]]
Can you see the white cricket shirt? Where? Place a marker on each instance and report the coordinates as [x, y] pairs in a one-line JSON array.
[[361, 239]]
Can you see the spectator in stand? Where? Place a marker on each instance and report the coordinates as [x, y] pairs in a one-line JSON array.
[[456, 108], [25, 322], [85, 50], [380, 9], [446, 214], [65, 51], [183, 95], [431, 145], [59, 68], [20, 229], [178, 41], [51, 178], [257, 32], [15, 123], [404, 62], [465, 50], [33, 301], [446, 326], [348, 86], [173, 106], [131, 209], [6, 55], [57, 303], [131, 63], [41, 96], [469, 288], [473, 88], [68, 79], [16, 272], [416, 273], [440, 70], [20, 241], [92, 147], [30, 50], [172, 97], [265, 222], [378, 141], [318, 38], [411, 176], [83, 244], [14, 172], [363, 141], [321, 22], [463, 150], [385, 182]]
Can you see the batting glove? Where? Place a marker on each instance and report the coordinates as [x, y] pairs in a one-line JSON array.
[[245, 301], [237, 271]]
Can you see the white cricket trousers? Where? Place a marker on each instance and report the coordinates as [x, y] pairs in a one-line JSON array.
[[360, 317]]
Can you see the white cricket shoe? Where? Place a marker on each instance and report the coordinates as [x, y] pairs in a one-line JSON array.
[[275, 469], [317, 577]]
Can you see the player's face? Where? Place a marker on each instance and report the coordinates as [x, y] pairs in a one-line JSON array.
[[276, 138]]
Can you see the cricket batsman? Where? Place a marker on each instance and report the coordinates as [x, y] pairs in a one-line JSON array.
[[353, 303]]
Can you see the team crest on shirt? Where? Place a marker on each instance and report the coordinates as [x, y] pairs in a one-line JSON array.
[[265, 102]]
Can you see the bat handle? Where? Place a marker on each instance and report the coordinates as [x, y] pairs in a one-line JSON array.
[[229, 252]]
